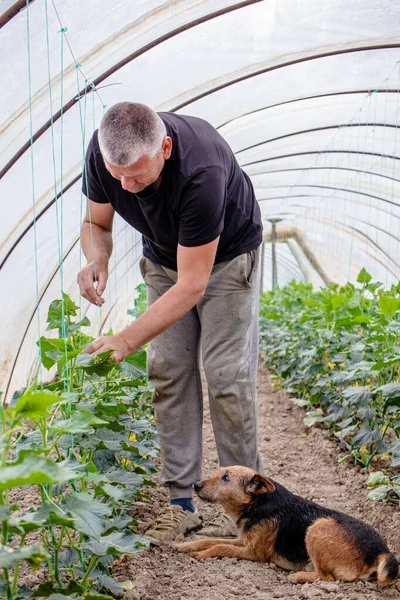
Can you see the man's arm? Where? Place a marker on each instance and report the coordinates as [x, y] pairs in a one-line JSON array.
[[194, 269], [97, 245]]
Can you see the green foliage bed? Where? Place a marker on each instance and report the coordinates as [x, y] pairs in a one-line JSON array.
[[86, 441], [337, 351]]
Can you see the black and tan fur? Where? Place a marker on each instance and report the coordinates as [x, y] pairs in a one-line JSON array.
[[296, 534]]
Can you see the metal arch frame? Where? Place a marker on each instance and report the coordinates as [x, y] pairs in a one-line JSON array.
[[326, 169], [327, 95], [118, 66], [370, 242], [77, 178], [350, 201], [313, 130], [335, 222], [37, 217], [165, 37], [312, 152], [128, 59], [13, 11], [328, 187]]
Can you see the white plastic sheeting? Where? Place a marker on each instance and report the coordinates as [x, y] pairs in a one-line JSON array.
[[306, 93]]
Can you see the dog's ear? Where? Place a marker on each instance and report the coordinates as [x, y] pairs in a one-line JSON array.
[[259, 485]]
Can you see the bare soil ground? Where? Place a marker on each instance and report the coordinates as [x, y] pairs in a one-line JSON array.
[[305, 461]]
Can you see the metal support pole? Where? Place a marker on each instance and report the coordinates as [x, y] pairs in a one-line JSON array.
[[262, 268], [273, 252]]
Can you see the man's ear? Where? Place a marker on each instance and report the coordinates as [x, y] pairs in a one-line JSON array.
[[259, 485], [167, 147]]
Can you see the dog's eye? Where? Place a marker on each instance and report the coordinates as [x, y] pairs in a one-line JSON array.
[[225, 477]]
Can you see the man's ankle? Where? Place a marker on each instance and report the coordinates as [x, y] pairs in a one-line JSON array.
[[185, 503]]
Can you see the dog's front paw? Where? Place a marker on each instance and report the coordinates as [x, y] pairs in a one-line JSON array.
[[183, 547], [196, 555]]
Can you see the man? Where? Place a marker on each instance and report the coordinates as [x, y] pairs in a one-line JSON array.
[[175, 180]]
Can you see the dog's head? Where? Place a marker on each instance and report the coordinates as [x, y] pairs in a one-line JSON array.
[[234, 488]]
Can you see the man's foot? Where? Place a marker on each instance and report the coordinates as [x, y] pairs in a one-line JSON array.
[[172, 522], [221, 526]]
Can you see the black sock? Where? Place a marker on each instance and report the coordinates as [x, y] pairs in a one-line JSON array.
[[185, 503]]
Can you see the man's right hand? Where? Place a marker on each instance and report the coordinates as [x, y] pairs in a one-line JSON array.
[[95, 271]]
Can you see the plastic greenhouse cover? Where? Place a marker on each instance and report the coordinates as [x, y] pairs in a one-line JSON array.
[[306, 93]]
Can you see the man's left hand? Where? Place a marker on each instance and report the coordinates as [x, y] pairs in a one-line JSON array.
[[110, 342]]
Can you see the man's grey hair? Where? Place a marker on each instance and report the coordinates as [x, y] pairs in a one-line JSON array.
[[128, 131]]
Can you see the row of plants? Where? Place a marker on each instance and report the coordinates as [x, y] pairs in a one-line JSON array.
[[337, 352], [86, 441]]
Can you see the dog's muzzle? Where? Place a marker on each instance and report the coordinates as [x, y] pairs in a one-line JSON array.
[[198, 486]]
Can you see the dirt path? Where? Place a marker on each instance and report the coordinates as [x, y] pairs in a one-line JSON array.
[[309, 467]]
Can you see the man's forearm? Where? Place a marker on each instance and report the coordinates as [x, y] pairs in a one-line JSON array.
[[168, 309], [97, 243]]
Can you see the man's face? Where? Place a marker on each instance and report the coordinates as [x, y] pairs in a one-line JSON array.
[[144, 172]]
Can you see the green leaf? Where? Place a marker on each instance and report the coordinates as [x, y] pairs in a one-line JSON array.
[[377, 478], [88, 513], [33, 555], [96, 596], [45, 590], [125, 477], [337, 301], [35, 404], [62, 308], [31, 469], [117, 543], [98, 364], [354, 301], [358, 395], [110, 584], [120, 523], [68, 557], [312, 418], [81, 421], [46, 515], [389, 305], [300, 402], [390, 390], [112, 491], [379, 493], [365, 436], [364, 276], [6, 510], [51, 349], [138, 359]]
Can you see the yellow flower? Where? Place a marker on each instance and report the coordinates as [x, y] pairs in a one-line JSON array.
[[331, 365], [132, 437]]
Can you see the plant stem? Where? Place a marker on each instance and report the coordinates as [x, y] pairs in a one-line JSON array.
[[93, 562]]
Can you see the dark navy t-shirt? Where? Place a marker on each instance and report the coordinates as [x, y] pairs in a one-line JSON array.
[[203, 194]]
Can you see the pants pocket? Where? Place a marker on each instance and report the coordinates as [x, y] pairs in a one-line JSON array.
[[142, 267]]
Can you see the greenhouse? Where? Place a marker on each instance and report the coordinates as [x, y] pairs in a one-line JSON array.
[[303, 98]]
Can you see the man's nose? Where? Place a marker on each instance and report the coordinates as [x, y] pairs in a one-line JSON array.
[[127, 183]]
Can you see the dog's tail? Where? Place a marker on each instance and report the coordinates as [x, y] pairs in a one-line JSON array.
[[387, 568]]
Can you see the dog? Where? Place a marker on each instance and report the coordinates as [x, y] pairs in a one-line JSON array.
[[294, 533]]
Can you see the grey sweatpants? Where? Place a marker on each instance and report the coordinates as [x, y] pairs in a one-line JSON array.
[[223, 327]]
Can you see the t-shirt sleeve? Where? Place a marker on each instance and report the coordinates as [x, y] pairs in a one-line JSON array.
[[202, 207], [91, 186]]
